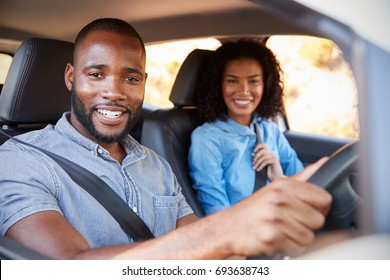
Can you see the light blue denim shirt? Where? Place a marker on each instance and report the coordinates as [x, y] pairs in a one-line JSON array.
[[31, 182], [220, 160]]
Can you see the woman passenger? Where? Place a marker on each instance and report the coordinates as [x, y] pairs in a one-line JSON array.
[[241, 88]]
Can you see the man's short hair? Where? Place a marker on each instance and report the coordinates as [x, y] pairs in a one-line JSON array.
[[112, 25]]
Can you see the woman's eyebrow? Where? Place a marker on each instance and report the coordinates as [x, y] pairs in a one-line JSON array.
[[251, 76]]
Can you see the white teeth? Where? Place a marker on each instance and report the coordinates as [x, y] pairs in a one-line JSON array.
[[242, 102], [110, 114]]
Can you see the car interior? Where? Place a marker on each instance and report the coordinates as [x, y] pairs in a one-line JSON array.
[[23, 104], [27, 104], [34, 94]]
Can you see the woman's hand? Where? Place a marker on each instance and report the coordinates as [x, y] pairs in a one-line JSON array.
[[263, 157]]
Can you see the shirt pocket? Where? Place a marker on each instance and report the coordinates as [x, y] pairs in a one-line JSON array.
[[165, 213]]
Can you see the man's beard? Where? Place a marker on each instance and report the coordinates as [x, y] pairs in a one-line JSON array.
[[84, 116]]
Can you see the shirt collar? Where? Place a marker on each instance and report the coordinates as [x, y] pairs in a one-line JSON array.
[[230, 126]]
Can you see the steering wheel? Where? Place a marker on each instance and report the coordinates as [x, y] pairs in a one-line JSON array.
[[333, 177]]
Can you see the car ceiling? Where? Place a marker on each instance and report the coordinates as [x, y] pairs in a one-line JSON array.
[[162, 20], [156, 20]]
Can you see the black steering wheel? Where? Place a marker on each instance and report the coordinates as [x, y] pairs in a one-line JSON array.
[[333, 176]]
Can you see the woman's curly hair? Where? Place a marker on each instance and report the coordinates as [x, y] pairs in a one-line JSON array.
[[211, 104]]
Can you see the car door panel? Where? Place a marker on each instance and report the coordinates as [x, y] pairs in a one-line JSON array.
[[311, 147]]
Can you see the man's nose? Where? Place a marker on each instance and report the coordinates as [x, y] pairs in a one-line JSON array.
[[114, 89]]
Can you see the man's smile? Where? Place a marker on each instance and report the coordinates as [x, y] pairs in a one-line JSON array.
[[110, 114]]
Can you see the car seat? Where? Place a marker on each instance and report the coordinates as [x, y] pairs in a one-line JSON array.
[[34, 92], [168, 131]]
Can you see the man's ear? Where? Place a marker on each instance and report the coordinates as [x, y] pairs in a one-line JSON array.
[[69, 70]]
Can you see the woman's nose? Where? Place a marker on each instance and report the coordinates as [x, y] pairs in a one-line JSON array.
[[245, 88]]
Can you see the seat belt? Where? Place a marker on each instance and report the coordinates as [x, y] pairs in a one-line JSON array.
[[260, 176], [103, 193]]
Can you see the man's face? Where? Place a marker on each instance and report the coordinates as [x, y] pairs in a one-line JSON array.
[[108, 87], [84, 116]]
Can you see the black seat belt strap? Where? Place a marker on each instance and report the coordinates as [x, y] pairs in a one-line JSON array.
[[106, 196], [261, 176]]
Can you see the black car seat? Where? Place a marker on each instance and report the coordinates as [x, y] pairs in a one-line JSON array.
[[168, 131], [34, 92]]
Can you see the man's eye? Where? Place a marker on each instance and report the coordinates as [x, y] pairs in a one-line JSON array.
[[95, 75], [132, 79]]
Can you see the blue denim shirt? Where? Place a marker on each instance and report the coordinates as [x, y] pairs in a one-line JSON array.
[[220, 160], [31, 182]]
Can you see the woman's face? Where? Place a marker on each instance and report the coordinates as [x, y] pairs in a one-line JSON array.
[[242, 88]]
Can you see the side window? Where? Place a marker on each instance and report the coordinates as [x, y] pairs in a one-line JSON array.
[[320, 91], [5, 62], [162, 65]]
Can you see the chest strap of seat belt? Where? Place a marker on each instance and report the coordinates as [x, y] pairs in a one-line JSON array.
[[103, 193], [260, 176]]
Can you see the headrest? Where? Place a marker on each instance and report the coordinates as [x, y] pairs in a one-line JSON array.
[[183, 90], [34, 90]]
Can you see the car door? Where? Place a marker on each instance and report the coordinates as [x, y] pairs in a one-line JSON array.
[[311, 147]]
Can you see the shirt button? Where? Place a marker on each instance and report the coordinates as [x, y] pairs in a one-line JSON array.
[[135, 209], [99, 150]]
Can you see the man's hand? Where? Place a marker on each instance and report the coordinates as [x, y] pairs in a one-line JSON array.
[[279, 218]]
